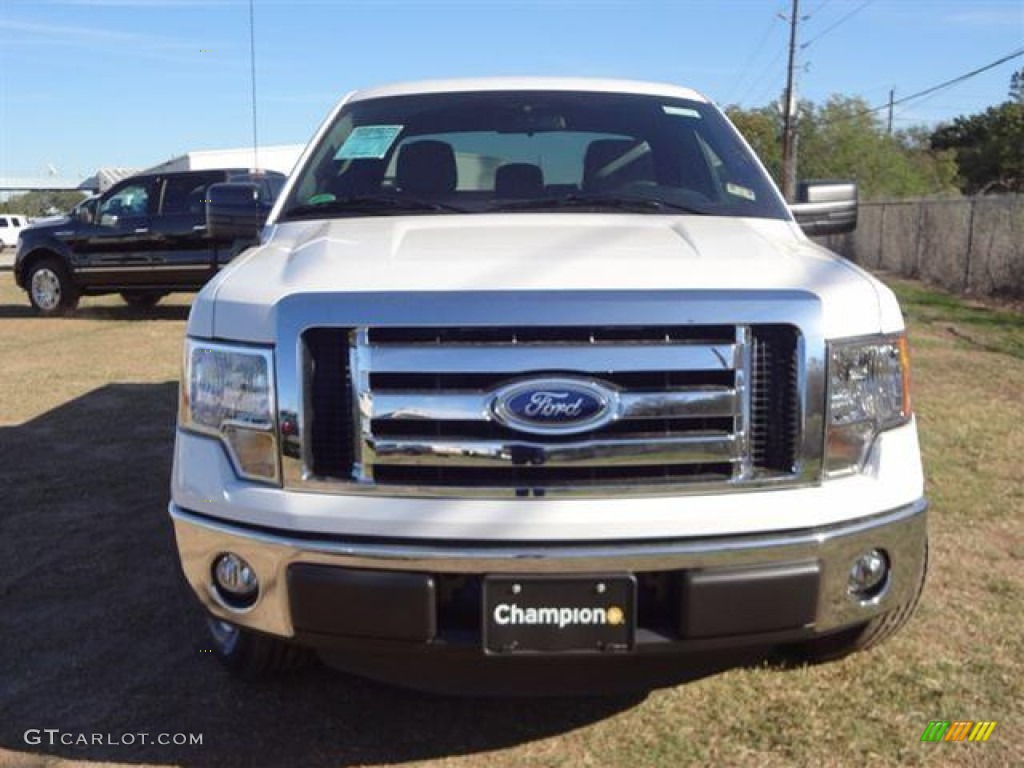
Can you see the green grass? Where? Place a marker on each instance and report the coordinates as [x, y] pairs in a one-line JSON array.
[[961, 656], [992, 329]]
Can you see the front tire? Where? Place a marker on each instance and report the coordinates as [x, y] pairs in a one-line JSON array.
[[866, 636], [252, 656], [50, 289]]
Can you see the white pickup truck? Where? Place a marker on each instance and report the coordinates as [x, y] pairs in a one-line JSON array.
[[540, 384]]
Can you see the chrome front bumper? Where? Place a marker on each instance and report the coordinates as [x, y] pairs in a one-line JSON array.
[[901, 533]]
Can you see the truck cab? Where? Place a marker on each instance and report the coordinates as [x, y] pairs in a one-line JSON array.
[[143, 238]]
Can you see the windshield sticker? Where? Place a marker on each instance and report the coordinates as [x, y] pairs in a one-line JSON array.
[[744, 192], [680, 111], [321, 199], [368, 142]]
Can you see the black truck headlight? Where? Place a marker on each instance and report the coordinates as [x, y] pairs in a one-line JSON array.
[[227, 392], [869, 392]]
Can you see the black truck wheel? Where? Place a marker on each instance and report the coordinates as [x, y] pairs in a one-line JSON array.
[[252, 656], [50, 289], [141, 299]]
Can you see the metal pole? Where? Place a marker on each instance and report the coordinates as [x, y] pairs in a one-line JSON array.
[[788, 155], [252, 68], [970, 246], [892, 95]]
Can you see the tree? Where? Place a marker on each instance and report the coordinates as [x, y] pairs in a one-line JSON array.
[[844, 139], [42, 203], [762, 128], [1017, 86], [989, 148]]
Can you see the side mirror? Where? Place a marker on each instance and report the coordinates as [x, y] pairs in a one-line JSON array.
[[826, 207], [86, 214], [234, 211]]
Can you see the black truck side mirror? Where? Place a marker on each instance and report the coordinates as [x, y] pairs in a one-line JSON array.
[[235, 211], [826, 207], [86, 212]]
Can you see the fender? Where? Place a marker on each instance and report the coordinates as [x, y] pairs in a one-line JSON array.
[[36, 242]]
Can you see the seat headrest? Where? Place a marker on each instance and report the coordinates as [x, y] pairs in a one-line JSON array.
[[611, 163], [426, 167], [523, 180], [362, 177]]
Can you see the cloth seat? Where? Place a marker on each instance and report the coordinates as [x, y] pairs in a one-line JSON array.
[[361, 178], [519, 180], [426, 167]]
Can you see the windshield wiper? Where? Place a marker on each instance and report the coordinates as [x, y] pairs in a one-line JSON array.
[[598, 200], [380, 205]]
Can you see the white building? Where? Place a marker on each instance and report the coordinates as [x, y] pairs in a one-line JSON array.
[[275, 158]]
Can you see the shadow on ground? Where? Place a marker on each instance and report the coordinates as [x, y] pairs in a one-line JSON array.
[[100, 635], [102, 312]]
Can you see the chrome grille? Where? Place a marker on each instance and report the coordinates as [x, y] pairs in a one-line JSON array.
[[774, 405], [696, 406]]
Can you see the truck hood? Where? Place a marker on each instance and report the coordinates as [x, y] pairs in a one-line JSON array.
[[57, 220], [535, 252]]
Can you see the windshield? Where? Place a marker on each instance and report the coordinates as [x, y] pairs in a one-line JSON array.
[[530, 151]]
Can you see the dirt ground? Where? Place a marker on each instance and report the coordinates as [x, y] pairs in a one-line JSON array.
[[99, 632], [99, 635]]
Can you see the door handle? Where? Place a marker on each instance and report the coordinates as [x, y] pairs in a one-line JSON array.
[[198, 227], [141, 231]]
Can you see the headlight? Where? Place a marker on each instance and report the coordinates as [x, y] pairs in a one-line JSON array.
[[228, 392], [869, 391]]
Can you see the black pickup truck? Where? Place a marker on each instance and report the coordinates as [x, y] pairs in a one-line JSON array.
[[143, 238]]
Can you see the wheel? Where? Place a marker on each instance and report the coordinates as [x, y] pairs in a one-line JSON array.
[[50, 289], [141, 299], [866, 636], [250, 655]]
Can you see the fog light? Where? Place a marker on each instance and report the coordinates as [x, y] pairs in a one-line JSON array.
[[235, 580], [869, 574]]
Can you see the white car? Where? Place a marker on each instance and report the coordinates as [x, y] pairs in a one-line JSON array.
[[10, 227], [540, 385]]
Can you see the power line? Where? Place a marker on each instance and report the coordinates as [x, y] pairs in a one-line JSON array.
[[767, 70], [928, 91], [819, 8], [757, 51], [966, 76], [837, 23]]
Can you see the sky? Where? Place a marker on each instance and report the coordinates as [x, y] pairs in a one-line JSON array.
[[96, 83]]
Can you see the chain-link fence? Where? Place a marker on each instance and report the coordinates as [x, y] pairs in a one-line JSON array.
[[972, 246]]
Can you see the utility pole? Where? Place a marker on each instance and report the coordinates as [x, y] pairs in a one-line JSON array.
[[788, 118], [892, 96]]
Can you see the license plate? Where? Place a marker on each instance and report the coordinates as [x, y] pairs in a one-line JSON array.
[[554, 614]]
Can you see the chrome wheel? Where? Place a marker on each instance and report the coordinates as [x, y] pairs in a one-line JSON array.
[[45, 288]]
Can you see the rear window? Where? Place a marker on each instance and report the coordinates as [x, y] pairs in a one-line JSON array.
[[186, 194]]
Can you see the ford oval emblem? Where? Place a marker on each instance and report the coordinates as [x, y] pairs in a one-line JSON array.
[[555, 406]]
